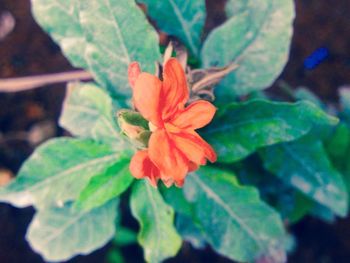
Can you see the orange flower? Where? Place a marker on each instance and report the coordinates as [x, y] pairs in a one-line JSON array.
[[174, 147]]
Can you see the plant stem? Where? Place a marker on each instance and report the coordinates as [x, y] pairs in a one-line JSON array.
[[286, 88], [27, 83]]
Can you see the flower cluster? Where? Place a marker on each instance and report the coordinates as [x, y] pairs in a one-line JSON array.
[[174, 147]]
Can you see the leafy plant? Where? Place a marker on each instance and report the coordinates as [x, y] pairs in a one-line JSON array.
[[76, 184]]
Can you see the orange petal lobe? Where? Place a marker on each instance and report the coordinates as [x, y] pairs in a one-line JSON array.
[[192, 167], [194, 147], [189, 147], [180, 183], [134, 71], [147, 97], [170, 161], [141, 166], [209, 152], [197, 115], [174, 91]]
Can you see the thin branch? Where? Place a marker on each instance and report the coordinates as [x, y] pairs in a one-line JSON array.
[[286, 88], [214, 77], [27, 83]]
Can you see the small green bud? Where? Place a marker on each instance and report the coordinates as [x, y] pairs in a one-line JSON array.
[[134, 126]]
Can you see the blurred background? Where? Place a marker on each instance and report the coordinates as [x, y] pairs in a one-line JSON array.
[[322, 33]]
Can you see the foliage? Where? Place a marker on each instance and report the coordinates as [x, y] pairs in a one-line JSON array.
[[233, 219], [187, 21], [51, 231], [257, 37], [277, 161], [157, 235], [241, 128]]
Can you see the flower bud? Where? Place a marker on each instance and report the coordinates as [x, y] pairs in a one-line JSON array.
[[135, 127]]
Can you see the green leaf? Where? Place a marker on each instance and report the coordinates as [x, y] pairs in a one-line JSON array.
[[184, 223], [233, 218], [234, 7], [323, 213], [157, 235], [304, 164], [124, 237], [305, 94], [241, 128], [180, 18], [338, 143], [257, 37], [105, 186], [117, 34], [302, 207], [344, 94], [189, 231], [60, 19], [88, 112], [57, 171], [174, 196], [338, 148], [59, 233], [115, 256]]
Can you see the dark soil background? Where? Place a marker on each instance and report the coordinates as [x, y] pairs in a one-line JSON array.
[[29, 51]]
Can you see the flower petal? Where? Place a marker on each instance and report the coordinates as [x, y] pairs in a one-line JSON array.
[[141, 166], [134, 71], [195, 116], [147, 97], [180, 183], [174, 91], [190, 148], [192, 167], [171, 162], [194, 147]]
